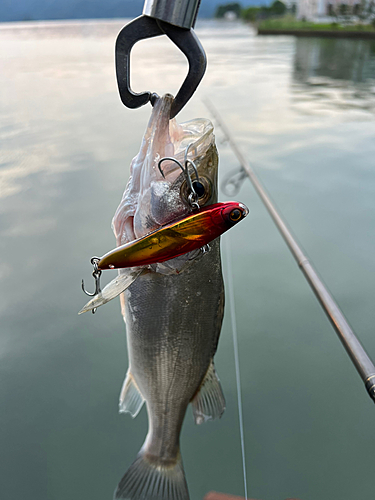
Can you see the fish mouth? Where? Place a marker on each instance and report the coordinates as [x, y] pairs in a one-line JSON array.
[[153, 195]]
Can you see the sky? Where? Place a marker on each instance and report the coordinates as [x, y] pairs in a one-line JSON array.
[[22, 10]]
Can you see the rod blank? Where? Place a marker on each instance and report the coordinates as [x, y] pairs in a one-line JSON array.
[[354, 348]]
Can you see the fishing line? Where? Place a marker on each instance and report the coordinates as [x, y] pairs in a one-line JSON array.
[[236, 357]]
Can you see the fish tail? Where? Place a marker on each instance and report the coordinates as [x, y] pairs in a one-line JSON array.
[[153, 480]]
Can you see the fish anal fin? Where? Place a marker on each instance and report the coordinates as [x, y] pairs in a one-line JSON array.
[[131, 399], [208, 403]]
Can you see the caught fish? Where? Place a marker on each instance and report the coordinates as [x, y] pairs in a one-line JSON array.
[[173, 310], [180, 236]]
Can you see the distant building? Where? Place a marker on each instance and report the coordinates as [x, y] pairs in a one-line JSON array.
[[312, 9], [230, 15]]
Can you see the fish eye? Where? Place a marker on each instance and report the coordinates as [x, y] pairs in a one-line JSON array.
[[203, 188], [235, 215], [199, 189]]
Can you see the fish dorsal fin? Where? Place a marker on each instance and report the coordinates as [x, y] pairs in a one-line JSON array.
[[209, 402], [131, 399], [114, 288]]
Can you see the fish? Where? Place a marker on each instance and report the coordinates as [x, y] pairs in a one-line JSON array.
[[173, 310], [176, 238]]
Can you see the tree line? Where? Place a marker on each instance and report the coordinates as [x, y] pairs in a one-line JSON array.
[[277, 8]]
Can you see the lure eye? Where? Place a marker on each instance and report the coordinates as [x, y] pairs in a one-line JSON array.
[[235, 215]]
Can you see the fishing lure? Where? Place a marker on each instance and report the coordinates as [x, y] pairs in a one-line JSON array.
[[176, 238]]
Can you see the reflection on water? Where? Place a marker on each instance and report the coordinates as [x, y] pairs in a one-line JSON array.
[[62, 29], [335, 72], [66, 143]]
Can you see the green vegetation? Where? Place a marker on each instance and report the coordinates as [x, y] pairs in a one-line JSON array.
[[251, 14], [277, 8]]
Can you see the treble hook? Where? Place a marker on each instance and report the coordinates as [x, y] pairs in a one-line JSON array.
[[198, 187], [193, 196], [96, 274], [184, 169], [188, 161]]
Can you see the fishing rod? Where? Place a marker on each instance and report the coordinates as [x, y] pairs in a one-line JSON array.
[[354, 348]]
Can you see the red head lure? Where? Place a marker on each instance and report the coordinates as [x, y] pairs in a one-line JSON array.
[[176, 238]]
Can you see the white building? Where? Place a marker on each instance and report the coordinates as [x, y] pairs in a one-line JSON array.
[[314, 9]]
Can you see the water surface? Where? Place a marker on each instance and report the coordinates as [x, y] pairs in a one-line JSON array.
[[303, 113]]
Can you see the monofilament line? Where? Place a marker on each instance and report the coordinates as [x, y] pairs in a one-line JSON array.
[[236, 356]]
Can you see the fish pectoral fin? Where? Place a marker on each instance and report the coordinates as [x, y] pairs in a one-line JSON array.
[[131, 399], [209, 402], [114, 288]]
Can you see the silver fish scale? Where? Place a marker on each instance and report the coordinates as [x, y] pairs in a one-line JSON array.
[[173, 325], [165, 199]]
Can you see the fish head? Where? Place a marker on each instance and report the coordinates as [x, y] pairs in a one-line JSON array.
[[158, 189], [152, 198]]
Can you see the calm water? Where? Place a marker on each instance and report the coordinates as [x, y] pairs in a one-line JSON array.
[[303, 111]]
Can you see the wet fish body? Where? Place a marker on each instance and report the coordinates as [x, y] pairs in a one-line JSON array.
[[173, 310]]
